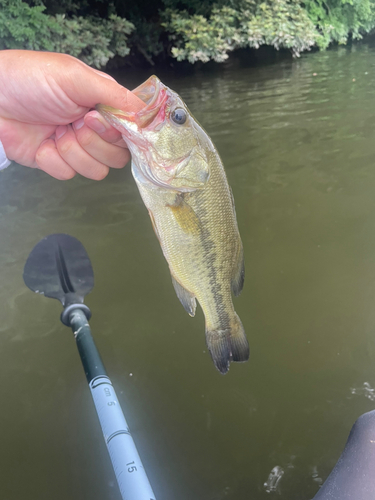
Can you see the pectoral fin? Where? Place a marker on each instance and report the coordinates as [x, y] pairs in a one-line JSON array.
[[187, 299], [185, 215], [238, 273]]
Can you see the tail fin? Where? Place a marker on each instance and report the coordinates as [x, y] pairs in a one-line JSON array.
[[219, 347], [226, 345], [238, 341]]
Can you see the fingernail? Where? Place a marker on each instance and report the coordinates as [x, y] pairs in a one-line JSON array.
[[96, 125], [79, 124], [60, 131]]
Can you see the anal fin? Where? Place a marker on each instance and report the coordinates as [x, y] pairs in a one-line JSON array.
[[186, 298]]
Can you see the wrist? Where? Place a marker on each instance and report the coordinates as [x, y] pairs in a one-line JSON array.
[[3, 142], [4, 162]]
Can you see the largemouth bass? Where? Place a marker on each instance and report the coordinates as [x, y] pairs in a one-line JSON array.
[[183, 184]]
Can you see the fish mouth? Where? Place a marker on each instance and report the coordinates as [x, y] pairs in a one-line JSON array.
[[153, 93]]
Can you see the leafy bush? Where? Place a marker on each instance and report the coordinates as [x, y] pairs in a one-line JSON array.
[[336, 20], [92, 39], [280, 23], [25, 27], [146, 39], [192, 30], [197, 38]]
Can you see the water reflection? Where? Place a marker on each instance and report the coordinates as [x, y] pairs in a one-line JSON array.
[[272, 483]]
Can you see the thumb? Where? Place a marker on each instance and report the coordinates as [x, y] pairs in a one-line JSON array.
[[91, 87]]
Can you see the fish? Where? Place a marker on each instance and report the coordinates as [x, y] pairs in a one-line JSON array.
[[183, 184]]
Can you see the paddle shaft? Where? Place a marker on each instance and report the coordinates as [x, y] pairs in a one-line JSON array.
[[128, 468]]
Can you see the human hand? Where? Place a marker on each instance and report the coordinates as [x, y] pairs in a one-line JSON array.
[[45, 117]]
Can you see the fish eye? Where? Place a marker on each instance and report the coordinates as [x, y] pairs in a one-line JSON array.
[[179, 116]]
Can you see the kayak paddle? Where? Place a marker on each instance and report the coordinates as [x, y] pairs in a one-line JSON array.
[[59, 267]]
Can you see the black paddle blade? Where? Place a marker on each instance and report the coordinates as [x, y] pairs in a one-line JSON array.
[[59, 267]]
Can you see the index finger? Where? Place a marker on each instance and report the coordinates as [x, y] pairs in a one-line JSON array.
[[97, 123]]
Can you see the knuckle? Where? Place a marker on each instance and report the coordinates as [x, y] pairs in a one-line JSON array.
[[65, 147], [45, 148], [86, 138], [40, 157]]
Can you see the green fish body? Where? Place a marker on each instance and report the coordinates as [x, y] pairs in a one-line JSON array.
[[183, 184]]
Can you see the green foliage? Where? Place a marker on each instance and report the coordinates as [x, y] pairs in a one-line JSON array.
[[22, 26], [202, 7], [92, 39], [192, 30], [197, 38], [279, 23], [146, 39], [336, 20]]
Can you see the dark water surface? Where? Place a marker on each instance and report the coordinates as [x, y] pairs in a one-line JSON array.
[[299, 151]]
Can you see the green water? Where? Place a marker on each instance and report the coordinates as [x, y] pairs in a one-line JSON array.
[[299, 150]]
